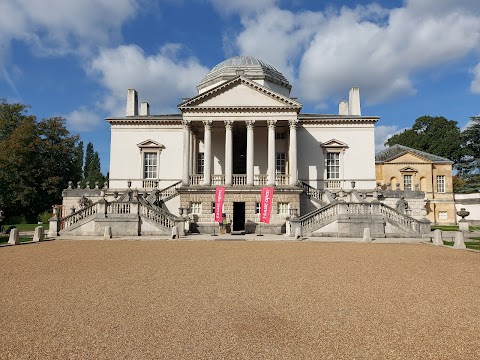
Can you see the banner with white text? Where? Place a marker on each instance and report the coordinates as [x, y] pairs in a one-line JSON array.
[[266, 204], [219, 198]]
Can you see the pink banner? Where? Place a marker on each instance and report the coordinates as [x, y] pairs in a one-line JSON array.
[[266, 204], [219, 197]]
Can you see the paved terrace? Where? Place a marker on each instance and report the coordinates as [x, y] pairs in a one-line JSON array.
[[243, 300]]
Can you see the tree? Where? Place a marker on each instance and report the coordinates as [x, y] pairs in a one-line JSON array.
[[434, 135], [470, 165], [88, 160], [92, 171], [78, 162], [36, 161]]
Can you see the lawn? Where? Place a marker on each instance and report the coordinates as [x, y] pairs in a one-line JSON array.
[[22, 228]]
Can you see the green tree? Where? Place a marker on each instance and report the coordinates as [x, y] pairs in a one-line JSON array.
[[11, 116], [469, 166], [89, 153], [92, 171], [78, 162], [434, 135]]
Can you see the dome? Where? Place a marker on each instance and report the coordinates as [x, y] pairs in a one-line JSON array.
[[247, 66]]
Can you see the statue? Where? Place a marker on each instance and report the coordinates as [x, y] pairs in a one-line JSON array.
[[402, 205]]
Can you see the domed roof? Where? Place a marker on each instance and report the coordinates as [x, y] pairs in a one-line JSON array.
[[247, 66]]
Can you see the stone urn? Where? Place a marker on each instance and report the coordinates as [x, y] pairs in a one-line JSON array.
[[463, 213]]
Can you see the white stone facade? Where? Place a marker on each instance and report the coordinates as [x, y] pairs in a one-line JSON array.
[[242, 131]]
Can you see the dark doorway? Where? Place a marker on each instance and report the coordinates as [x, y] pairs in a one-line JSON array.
[[238, 216], [239, 149]]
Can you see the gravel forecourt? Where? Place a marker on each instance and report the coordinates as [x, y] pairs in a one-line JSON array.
[[238, 300]]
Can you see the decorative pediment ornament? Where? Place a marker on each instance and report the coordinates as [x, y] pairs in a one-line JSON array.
[[408, 169], [334, 144], [197, 101], [150, 144]]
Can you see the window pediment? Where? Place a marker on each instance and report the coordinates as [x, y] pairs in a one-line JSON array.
[[334, 145], [408, 169], [150, 144]]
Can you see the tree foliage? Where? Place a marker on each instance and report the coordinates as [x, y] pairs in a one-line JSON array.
[[37, 159], [434, 135]]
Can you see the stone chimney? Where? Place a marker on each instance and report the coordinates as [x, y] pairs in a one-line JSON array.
[[343, 107], [144, 108], [132, 103], [354, 101]]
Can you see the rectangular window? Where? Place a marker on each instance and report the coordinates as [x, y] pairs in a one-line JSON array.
[[407, 182], [283, 208], [440, 183], [257, 208], [280, 164], [196, 208], [150, 165], [279, 135], [442, 215], [213, 208], [200, 163], [333, 165]]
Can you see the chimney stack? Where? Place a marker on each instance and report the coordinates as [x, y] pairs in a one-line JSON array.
[[132, 103], [144, 108], [343, 107], [354, 101]]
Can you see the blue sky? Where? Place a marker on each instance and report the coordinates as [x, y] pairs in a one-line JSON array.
[[77, 58]]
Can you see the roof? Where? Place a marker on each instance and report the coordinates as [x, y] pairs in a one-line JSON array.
[[398, 150], [247, 66]]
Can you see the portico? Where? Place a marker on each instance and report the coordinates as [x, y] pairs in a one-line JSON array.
[[245, 159]]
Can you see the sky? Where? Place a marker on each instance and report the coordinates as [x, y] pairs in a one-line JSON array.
[[77, 58]]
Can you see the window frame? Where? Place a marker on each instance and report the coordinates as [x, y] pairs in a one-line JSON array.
[[441, 186], [280, 163], [329, 167]]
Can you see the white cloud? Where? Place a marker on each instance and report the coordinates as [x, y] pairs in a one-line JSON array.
[[83, 120], [475, 85], [161, 79], [242, 6], [375, 48], [57, 27], [383, 133]]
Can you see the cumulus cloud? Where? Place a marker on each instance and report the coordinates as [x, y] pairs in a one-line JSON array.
[[161, 79], [83, 119], [57, 27], [383, 133], [372, 47], [242, 6], [475, 85]]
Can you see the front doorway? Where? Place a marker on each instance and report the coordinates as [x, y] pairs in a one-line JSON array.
[[238, 216]]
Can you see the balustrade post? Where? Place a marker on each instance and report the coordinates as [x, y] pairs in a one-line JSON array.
[[295, 227]]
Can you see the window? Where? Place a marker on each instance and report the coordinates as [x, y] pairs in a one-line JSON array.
[[257, 208], [196, 207], [283, 208], [279, 135], [333, 165], [440, 183], [200, 163], [150, 165], [442, 215], [280, 164], [213, 208], [407, 182]]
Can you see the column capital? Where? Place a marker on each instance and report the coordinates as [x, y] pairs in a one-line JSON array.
[[186, 124], [207, 124], [250, 124], [293, 123], [228, 124], [271, 123]]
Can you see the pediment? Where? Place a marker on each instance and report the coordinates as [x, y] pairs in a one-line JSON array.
[[150, 144], [410, 157], [408, 169], [240, 93], [334, 144]]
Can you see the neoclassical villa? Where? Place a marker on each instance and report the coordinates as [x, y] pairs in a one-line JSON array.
[[243, 131]]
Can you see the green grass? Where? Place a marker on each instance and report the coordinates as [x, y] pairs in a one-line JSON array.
[[26, 227], [4, 239], [473, 244], [452, 227]]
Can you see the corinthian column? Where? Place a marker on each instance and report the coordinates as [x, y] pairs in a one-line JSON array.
[[250, 152], [228, 152], [207, 172], [186, 152], [292, 152], [271, 152]]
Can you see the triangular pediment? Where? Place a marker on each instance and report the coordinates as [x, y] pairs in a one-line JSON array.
[[240, 93], [150, 144], [334, 143], [410, 157]]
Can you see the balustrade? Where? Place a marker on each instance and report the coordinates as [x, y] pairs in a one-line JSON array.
[[118, 208], [79, 215]]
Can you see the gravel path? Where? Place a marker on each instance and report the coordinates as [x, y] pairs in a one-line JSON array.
[[238, 300]]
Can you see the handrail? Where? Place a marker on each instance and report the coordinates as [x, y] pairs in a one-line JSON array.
[[311, 191], [403, 221], [319, 217], [72, 219]]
